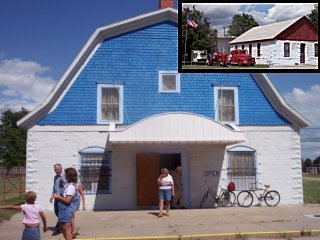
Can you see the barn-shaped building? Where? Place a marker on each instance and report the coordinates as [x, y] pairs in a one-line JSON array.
[[122, 111]]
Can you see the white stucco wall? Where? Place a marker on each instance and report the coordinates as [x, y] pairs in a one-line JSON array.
[[278, 163], [272, 52], [278, 160]]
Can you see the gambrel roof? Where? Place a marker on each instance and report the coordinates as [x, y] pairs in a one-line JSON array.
[[76, 66], [123, 27], [269, 31]]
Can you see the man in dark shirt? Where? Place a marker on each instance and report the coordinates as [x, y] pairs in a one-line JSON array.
[[58, 182]]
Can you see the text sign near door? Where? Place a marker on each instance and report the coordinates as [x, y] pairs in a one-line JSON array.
[[211, 173]]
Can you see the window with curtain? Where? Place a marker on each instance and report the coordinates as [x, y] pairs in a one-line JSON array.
[[286, 49], [110, 108], [95, 170], [226, 104], [169, 82], [242, 167]]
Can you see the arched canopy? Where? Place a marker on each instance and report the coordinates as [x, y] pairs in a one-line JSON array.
[[177, 128]]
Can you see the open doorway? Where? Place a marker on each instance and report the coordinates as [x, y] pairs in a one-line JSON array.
[[302, 52], [170, 161], [148, 170]]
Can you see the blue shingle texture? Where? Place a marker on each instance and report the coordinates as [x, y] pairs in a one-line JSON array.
[[134, 59]]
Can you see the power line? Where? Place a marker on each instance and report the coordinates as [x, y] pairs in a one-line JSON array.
[[310, 140]]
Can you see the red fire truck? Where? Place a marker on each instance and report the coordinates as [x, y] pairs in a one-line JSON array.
[[237, 57]]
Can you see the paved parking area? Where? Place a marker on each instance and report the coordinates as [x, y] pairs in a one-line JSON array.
[[281, 222]]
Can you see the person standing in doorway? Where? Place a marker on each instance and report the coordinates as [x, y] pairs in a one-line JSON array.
[[166, 190], [178, 188], [59, 182]]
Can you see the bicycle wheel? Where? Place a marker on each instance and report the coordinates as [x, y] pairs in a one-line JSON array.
[[228, 199], [245, 199], [272, 198], [204, 199]]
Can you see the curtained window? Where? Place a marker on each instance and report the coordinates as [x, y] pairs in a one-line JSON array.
[[242, 167], [110, 99], [226, 104]]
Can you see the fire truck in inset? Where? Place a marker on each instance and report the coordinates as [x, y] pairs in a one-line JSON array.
[[238, 57]]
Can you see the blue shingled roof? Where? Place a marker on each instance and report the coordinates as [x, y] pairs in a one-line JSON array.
[[134, 59]]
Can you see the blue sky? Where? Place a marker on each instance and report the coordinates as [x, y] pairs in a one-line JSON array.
[[40, 39]]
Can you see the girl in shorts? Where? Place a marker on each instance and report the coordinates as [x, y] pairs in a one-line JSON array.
[[31, 212]]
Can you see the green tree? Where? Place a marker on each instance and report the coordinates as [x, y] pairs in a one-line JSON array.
[[313, 16], [316, 162], [12, 139], [306, 163], [201, 38], [241, 23]]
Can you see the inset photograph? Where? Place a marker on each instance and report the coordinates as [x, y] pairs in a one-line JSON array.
[[249, 37]]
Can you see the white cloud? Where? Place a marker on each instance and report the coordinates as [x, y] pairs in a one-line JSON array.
[[283, 12], [220, 15], [26, 81], [15, 104], [307, 103]]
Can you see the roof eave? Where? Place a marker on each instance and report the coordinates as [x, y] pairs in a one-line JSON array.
[[278, 102], [166, 14]]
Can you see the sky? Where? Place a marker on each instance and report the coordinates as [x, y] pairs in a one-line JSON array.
[[40, 39], [220, 14]]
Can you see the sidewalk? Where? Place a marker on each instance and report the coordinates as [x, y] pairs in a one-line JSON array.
[[282, 222]]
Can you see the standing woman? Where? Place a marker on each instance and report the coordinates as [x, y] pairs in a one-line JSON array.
[[166, 190], [78, 197], [65, 202]]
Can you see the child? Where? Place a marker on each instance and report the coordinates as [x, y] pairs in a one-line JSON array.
[[66, 202], [31, 212]]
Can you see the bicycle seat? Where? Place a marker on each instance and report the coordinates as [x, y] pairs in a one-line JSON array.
[[223, 187], [267, 185]]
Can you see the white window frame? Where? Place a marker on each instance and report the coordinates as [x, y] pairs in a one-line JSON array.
[[99, 98], [161, 73], [236, 103]]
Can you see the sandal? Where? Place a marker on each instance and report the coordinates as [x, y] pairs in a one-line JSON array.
[[160, 215]]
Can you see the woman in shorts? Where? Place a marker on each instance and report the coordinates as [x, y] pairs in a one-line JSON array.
[[166, 190]]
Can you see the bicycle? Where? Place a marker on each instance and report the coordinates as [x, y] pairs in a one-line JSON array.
[[225, 198], [271, 197]]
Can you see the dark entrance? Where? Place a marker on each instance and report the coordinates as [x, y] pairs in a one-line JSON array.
[[148, 170], [170, 161], [302, 52]]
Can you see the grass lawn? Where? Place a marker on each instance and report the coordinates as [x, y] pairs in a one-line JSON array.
[[11, 199], [216, 66], [311, 188]]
